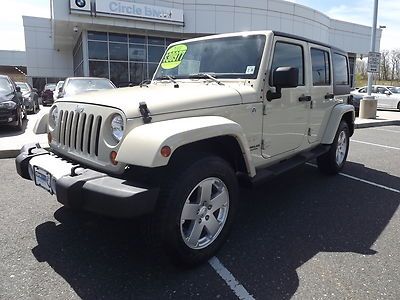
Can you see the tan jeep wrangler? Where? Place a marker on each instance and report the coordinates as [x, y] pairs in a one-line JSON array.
[[220, 110]]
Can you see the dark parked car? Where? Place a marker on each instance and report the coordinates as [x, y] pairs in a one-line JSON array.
[[12, 109], [47, 94], [77, 85], [356, 103], [30, 96]]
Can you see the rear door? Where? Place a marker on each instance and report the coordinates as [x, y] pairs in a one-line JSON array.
[[321, 91], [285, 121]]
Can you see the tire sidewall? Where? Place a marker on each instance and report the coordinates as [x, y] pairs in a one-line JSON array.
[[342, 127], [194, 174]]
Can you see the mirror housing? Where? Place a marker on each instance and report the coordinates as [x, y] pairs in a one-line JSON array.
[[283, 77]]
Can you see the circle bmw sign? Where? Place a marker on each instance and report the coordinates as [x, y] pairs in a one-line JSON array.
[[80, 3]]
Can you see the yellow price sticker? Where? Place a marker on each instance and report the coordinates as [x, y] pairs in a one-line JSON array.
[[174, 56]]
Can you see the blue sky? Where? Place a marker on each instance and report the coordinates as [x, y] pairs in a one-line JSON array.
[[357, 11]]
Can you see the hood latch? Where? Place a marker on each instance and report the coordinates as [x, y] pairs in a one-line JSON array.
[[144, 111]]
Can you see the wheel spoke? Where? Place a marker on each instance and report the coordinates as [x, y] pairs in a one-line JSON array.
[[189, 211], [206, 189], [219, 200], [212, 225], [195, 234]]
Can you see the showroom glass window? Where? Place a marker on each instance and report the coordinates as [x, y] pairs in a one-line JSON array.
[[320, 67], [77, 54], [125, 58], [288, 55], [340, 71]]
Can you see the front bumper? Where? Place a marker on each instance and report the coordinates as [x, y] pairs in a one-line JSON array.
[[87, 189], [8, 116]]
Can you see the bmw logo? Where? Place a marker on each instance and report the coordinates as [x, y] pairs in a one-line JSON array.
[[80, 3]]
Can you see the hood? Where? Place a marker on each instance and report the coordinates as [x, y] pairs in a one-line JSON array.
[[161, 97], [6, 97]]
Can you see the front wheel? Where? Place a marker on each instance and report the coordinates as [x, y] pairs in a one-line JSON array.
[[196, 210], [333, 161]]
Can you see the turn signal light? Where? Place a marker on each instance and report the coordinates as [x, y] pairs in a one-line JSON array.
[[165, 151], [113, 156]]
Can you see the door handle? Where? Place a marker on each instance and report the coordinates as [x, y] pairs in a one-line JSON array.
[[304, 98], [329, 96]]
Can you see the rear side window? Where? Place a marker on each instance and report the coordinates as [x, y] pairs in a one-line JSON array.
[[340, 69], [321, 69], [288, 55]]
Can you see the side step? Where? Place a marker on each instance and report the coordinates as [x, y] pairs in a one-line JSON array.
[[288, 164]]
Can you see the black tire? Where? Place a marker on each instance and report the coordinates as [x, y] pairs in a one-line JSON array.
[[398, 106], [166, 222], [328, 162]]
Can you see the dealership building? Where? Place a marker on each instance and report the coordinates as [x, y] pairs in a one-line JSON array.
[[124, 40]]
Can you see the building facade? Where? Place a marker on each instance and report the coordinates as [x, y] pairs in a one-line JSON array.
[[124, 40]]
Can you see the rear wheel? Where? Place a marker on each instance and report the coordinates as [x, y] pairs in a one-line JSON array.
[[333, 161], [398, 106], [196, 209]]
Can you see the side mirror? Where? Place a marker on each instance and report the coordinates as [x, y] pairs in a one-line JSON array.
[[60, 90], [283, 77], [18, 89]]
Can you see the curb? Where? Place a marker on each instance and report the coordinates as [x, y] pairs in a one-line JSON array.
[[377, 124]]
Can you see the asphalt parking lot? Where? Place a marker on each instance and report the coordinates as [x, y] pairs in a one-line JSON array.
[[302, 236]]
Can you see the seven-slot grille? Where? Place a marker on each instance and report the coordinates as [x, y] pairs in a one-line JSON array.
[[79, 131]]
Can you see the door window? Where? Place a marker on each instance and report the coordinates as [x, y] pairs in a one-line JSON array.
[[340, 70], [288, 55], [321, 68]]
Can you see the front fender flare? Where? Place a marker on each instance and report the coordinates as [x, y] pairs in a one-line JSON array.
[[41, 124], [333, 124], [142, 145]]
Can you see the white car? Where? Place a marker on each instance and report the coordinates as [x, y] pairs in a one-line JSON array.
[[388, 96], [57, 90]]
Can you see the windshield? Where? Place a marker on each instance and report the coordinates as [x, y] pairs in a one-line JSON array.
[[59, 84], [395, 90], [5, 86], [229, 57], [24, 87], [76, 86], [50, 86]]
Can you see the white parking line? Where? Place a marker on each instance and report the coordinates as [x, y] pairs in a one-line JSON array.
[[230, 280], [377, 145], [387, 130], [363, 180]]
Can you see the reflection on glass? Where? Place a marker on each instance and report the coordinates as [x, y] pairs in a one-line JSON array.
[[98, 36], [119, 73], [137, 52], [118, 51], [98, 68], [98, 50], [137, 72], [117, 37], [137, 39], [155, 53]]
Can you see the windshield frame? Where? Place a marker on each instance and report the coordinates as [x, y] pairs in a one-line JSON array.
[[236, 76]]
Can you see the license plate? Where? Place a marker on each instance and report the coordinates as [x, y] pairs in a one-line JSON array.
[[43, 179]]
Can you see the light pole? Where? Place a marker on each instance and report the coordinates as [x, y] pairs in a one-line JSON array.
[[368, 104]]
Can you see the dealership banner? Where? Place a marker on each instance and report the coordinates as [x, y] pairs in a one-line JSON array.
[[127, 9]]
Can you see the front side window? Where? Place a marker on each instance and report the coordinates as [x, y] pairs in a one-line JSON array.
[[340, 69], [320, 67], [228, 57], [288, 55]]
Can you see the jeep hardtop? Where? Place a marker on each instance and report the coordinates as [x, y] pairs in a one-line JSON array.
[[219, 111]]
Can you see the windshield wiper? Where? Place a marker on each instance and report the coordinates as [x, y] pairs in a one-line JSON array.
[[205, 76], [170, 78]]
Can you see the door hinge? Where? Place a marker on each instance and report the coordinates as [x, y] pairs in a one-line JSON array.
[[311, 104], [309, 132], [262, 144], [264, 109]]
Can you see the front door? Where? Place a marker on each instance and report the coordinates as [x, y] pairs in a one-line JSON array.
[[285, 121]]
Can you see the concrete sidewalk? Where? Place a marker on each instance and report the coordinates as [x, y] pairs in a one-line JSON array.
[[383, 118], [11, 141]]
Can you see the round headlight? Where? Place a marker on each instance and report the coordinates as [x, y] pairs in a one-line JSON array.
[[117, 127], [54, 116]]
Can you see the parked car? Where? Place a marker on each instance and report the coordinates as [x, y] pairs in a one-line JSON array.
[[30, 96], [220, 110], [57, 90], [356, 103], [77, 85], [47, 94], [12, 109], [388, 96]]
